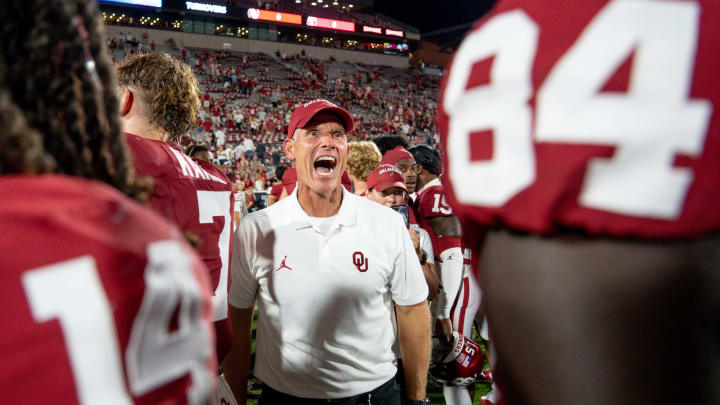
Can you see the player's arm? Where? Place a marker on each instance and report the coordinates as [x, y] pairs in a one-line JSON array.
[[414, 334], [236, 365], [448, 232]]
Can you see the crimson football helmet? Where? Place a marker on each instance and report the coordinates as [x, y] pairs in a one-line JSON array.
[[457, 363]]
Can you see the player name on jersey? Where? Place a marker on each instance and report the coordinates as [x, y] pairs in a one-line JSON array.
[[191, 169]]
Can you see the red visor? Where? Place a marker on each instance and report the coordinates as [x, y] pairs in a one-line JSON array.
[[304, 113], [386, 176]]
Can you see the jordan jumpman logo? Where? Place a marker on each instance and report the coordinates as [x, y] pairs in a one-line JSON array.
[[283, 265]]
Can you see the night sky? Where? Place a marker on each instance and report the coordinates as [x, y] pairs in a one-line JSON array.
[[432, 15]]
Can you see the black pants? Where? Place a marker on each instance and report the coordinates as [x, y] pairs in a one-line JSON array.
[[386, 394]]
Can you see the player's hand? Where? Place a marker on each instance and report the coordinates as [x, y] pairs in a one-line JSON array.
[[415, 238], [444, 329]]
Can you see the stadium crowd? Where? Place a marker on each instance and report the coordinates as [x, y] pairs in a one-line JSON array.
[[247, 101]]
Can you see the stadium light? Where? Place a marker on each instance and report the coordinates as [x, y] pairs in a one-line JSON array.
[[374, 30], [208, 8], [268, 15], [330, 24]]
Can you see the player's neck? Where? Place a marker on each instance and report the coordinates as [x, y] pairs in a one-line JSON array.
[[144, 130], [422, 181], [319, 205]]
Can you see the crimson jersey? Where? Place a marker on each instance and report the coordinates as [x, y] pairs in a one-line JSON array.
[[595, 114], [90, 283], [431, 203], [196, 196]]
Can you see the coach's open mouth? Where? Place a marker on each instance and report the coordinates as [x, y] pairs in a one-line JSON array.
[[325, 165]]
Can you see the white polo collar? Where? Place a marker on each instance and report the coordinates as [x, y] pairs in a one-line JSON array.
[[431, 183], [346, 216]]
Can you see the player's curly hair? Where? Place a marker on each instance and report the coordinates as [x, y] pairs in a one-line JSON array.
[[168, 89], [55, 68], [21, 148], [363, 158]]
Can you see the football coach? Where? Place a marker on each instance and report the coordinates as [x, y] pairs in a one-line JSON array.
[[325, 267]]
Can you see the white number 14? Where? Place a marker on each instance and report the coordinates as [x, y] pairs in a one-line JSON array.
[[73, 293]]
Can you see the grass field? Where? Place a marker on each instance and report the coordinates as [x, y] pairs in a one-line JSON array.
[[434, 390]]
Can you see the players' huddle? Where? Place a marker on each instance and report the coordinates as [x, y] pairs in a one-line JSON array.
[[127, 280]]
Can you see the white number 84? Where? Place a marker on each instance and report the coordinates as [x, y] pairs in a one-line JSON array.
[[650, 124]]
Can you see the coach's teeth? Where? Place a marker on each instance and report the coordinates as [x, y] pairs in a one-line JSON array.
[[325, 165], [326, 159]]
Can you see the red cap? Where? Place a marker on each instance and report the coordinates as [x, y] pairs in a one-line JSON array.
[[391, 157], [386, 176], [304, 113], [289, 179]]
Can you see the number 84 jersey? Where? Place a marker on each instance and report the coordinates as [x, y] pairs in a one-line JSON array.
[[598, 115]]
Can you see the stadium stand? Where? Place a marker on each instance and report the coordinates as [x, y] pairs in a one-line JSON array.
[[248, 97]]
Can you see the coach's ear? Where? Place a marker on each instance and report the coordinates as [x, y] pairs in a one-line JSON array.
[[289, 146], [126, 102]]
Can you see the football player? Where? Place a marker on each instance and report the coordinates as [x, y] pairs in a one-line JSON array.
[[159, 104], [387, 143], [201, 152], [459, 298], [403, 160], [589, 131], [91, 280]]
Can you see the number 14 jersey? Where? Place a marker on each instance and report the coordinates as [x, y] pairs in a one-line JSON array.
[[103, 302]]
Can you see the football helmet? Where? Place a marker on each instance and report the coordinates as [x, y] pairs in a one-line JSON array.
[[457, 363]]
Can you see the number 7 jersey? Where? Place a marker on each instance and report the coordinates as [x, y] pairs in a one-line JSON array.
[[196, 196], [596, 115]]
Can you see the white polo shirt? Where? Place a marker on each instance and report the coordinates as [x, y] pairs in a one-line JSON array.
[[325, 302]]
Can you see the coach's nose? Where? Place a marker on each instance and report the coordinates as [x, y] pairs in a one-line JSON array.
[[327, 141]]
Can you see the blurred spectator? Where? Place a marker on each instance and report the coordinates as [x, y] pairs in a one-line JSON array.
[[201, 152], [363, 158]]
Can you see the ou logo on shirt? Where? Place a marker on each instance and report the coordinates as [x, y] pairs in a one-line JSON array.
[[360, 261]]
